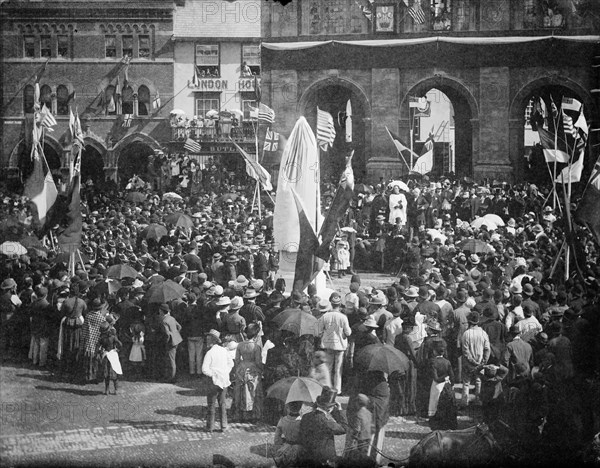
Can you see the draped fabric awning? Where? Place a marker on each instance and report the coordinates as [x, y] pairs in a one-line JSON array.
[[428, 52]]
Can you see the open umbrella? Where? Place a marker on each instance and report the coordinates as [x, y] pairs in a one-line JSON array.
[[31, 241], [177, 112], [212, 114], [164, 292], [180, 219], [135, 197], [154, 231], [494, 218], [401, 185], [475, 246], [238, 113], [12, 248], [382, 357], [282, 316], [363, 188], [478, 222], [300, 324], [295, 389], [435, 234], [172, 196], [121, 271]]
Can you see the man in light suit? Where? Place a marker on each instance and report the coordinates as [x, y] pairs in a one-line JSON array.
[[172, 339]]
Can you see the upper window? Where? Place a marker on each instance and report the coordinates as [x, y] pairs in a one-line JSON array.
[[62, 100], [29, 46], [127, 100], [441, 15], [207, 60], [46, 96], [250, 59], [144, 46], [110, 45], [28, 97], [127, 46], [143, 100], [62, 46], [248, 105], [46, 46]]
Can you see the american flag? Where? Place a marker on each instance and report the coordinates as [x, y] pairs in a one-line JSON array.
[[47, 119], [568, 124], [325, 129], [271, 141], [417, 13], [192, 146], [263, 113]]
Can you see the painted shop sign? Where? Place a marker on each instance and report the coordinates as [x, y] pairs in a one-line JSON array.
[[246, 84], [211, 84]]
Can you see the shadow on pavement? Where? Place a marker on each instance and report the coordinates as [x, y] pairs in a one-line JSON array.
[[222, 461], [263, 450], [193, 393], [196, 412], [159, 425], [74, 391], [45, 378]]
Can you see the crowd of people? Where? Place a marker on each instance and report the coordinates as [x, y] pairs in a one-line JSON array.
[[468, 303]]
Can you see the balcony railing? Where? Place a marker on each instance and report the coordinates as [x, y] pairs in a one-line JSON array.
[[220, 131]]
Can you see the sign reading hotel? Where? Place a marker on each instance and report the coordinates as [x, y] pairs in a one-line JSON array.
[[246, 84]]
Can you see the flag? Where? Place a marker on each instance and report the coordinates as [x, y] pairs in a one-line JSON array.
[[192, 146], [71, 97], [127, 119], [271, 141], [348, 123], [400, 146], [156, 101], [424, 164], [553, 108], [552, 154], [307, 264], [421, 105], [581, 125], [325, 129], [39, 186], [111, 104], [70, 239], [568, 124], [265, 113], [587, 212], [416, 12], [75, 128], [255, 170], [339, 206], [572, 173], [257, 88], [367, 10], [571, 104], [36, 97], [47, 119], [126, 74], [195, 79]]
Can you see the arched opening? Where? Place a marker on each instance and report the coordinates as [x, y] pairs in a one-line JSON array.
[[109, 99], [543, 112], [46, 96], [62, 100], [454, 150], [127, 100], [92, 165], [133, 159], [333, 98], [143, 100]]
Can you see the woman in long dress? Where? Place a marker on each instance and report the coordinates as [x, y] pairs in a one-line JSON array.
[[398, 205], [91, 335], [248, 369], [404, 386]]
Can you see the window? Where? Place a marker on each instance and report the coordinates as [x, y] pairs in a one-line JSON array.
[[110, 100], [62, 100], [28, 99], [144, 46], [441, 15], [251, 57], [127, 100], [63, 46], [127, 46], [110, 46], [46, 96], [143, 100], [206, 102], [248, 102], [46, 46], [207, 61], [29, 46]]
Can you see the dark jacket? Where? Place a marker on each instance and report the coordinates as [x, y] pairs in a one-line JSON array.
[[317, 431]]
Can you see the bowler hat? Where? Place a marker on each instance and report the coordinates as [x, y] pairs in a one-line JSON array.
[[335, 298], [423, 292], [473, 318]]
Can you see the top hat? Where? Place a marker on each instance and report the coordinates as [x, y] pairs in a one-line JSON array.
[[327, 397]]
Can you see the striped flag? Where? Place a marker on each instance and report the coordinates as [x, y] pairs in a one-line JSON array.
[[552, 154], [367, 10], [255, 170], [192, 146], [47, 119], [571, 104], [568, 124], [75, 127], [572, 173], [325, 129], [416, 12], [39, 186], [400, 146], [271, 141], [263, 113]]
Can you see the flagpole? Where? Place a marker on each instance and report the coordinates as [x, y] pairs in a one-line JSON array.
[[411, 126]]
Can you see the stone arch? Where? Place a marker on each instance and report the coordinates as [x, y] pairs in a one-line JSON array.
[[466, 115], [138, 137], [361, 105], [96, 143]]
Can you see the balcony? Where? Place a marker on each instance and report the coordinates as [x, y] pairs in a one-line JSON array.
[[216, 131]]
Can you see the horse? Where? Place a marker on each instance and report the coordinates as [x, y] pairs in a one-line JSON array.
[[472, 446]]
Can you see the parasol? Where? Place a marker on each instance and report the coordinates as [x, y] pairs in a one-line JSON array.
[[435, 234], [475, 246], [212, 114], [172, 196], [282, 316], [135, 197], [121, 271], [163, 292], [154, 231], [382, 357], [237, 113], [300, 324], [295, 389], [401, 185], [494, 218], [180, 219], [227, 196], [12, 248], [177, 112], [478, 222]]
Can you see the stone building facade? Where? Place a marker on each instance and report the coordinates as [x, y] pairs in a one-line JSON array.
[[489, 58]]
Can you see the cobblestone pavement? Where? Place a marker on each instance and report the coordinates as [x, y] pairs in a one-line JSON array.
[[48, 422]]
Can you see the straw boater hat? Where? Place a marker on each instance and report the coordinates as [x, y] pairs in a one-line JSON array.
[[223, 301], [250, 293]]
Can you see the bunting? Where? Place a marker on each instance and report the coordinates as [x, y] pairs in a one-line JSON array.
[[255, 170]]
